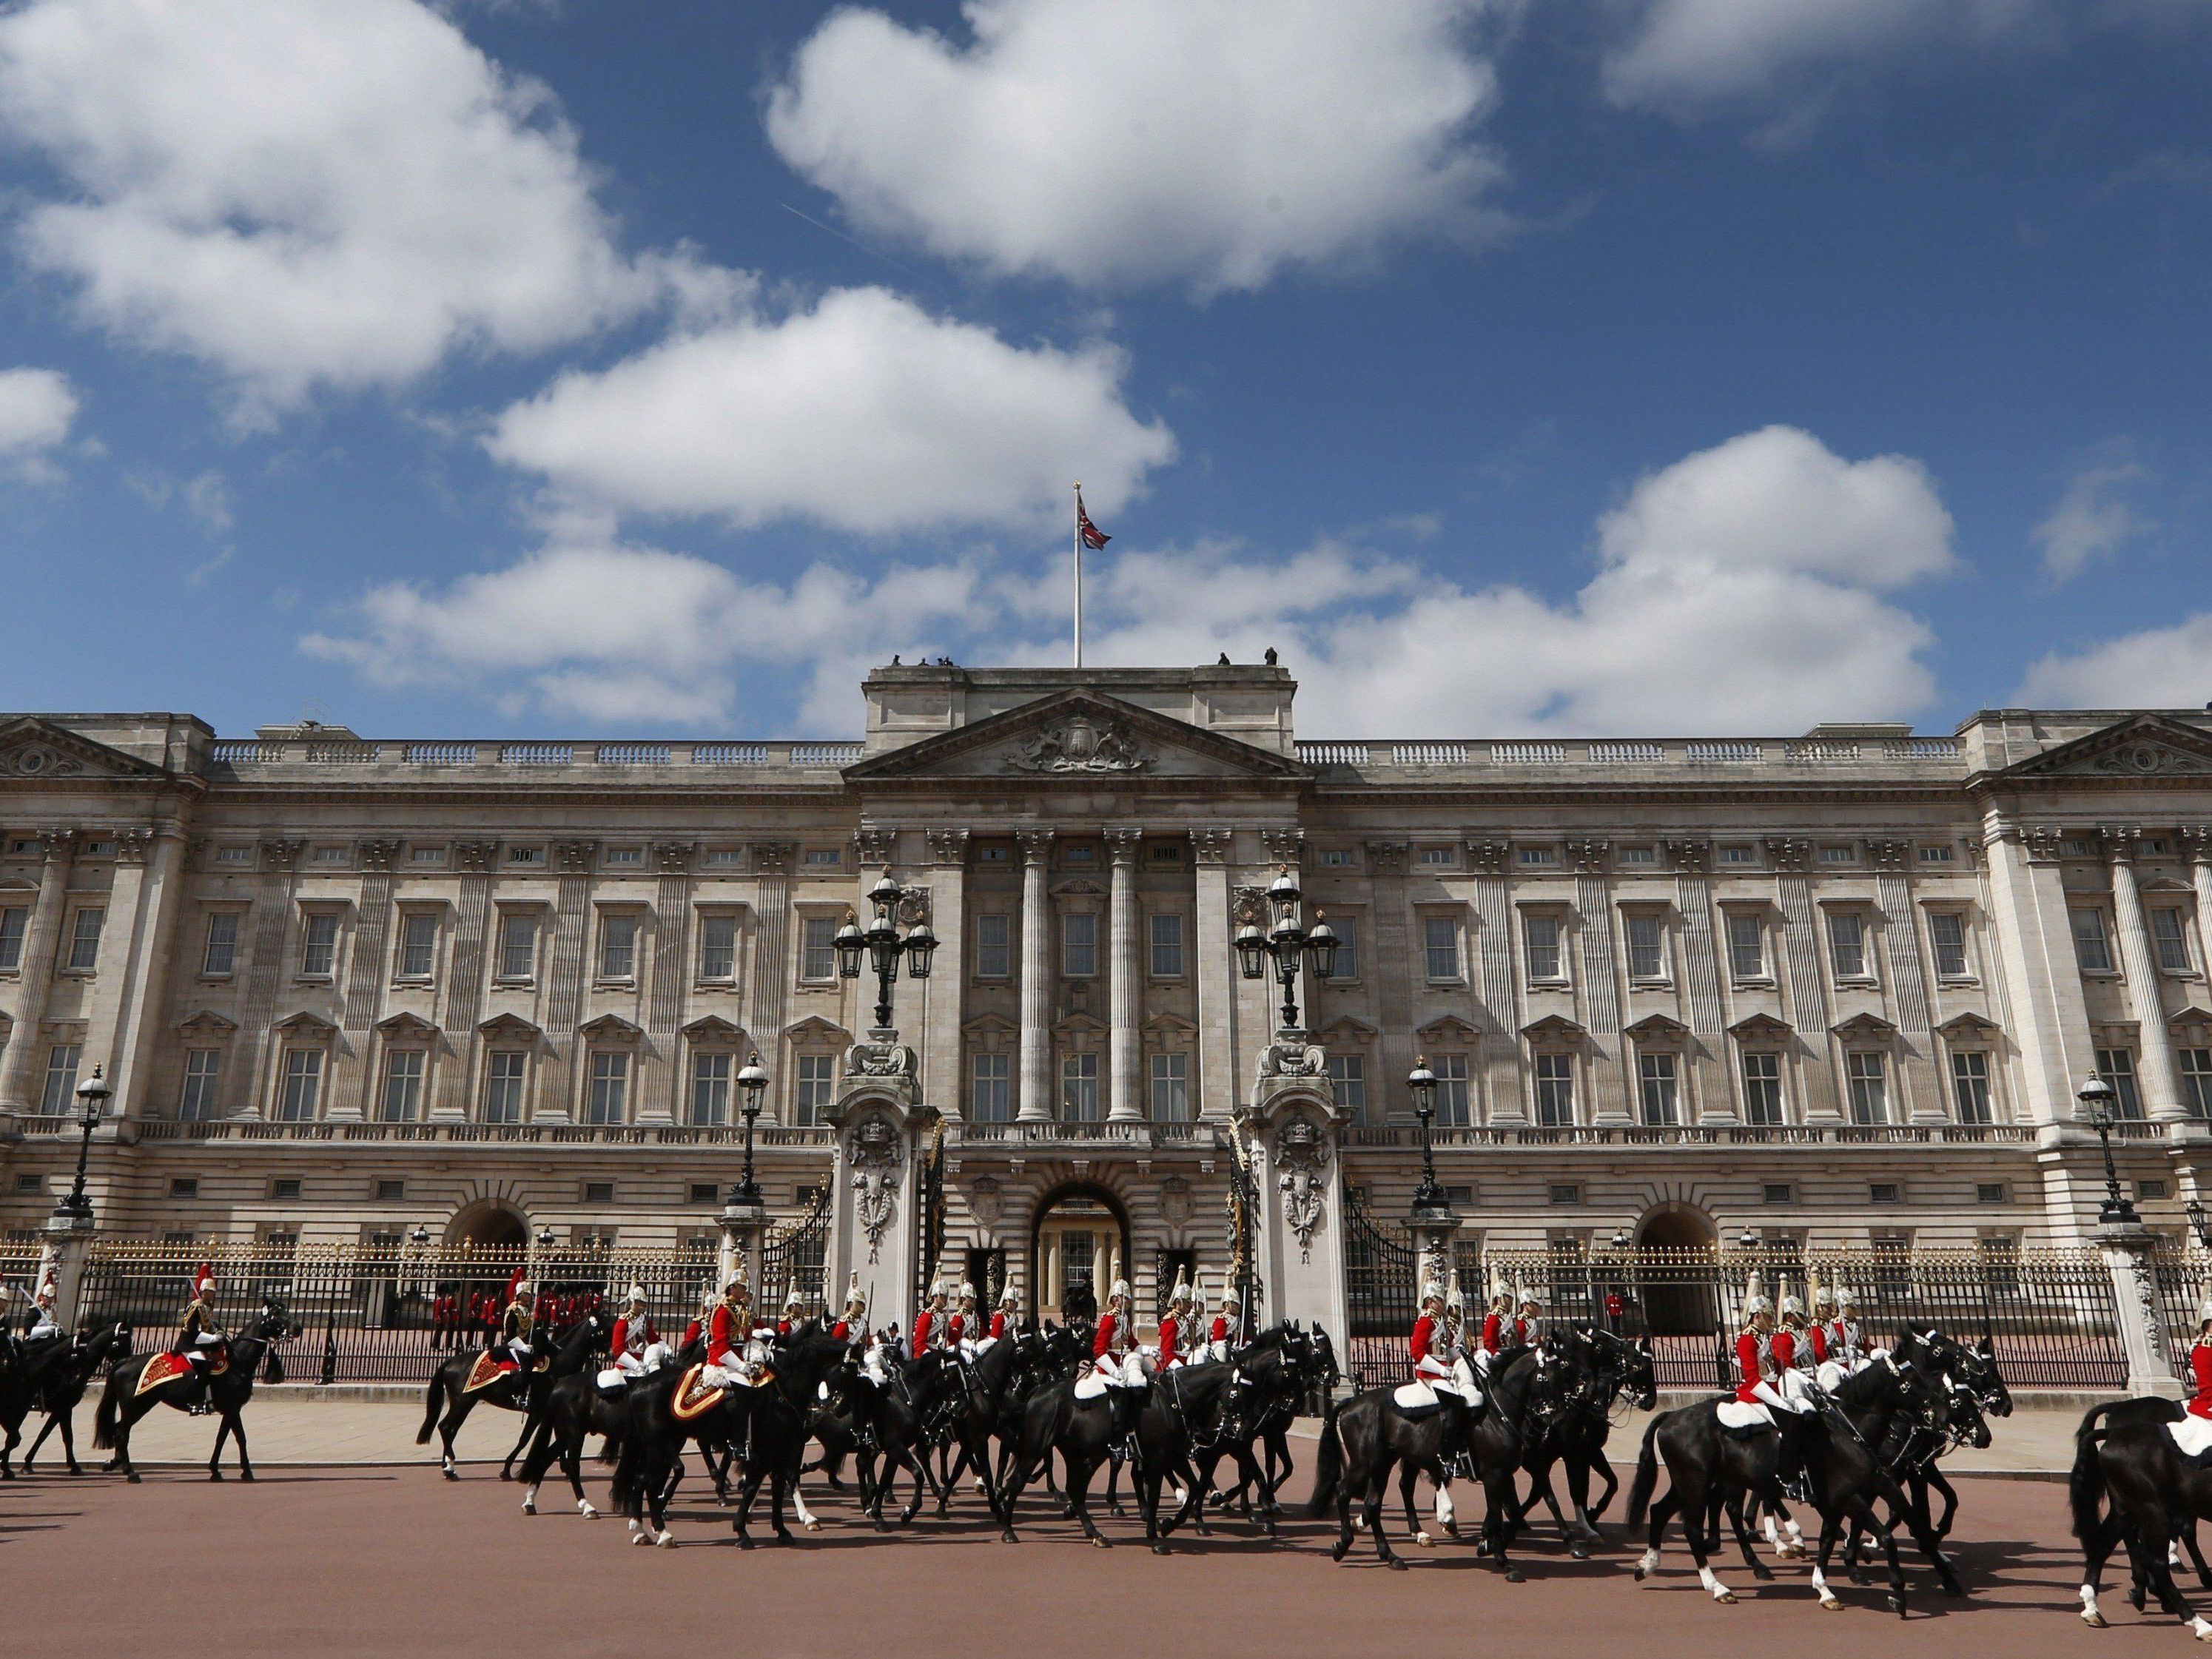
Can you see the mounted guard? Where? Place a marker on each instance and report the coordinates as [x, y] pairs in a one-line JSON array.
[[930, 1324], [1228, 1327], [636, 1349], [1007, 1319], [735, 1354], [852, 1325], [1174, 1342], [202, 1340]]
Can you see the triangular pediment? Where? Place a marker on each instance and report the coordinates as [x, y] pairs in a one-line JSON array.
[[406, 1025], [508, 1028], [713, 1028], [1760, 1028], [34, 750], [1969, 1025], [306, 1024], [1553, 1030], [1657, 1028], [207, 1024], [2144, 747], [1078, 736], [1863, 1028], [610, 1028]]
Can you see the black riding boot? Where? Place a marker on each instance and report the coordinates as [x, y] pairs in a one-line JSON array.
[[1790, 1467]]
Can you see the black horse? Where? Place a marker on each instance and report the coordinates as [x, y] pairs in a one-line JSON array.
[[2127, 1456], [447, 1401], [1082, 1427], [893, 1418], [1599, 1369], [122, 1402], [53, 1383]]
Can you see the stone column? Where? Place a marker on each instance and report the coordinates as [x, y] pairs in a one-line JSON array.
[[353, 1087], [1433, 1230], [465, 976], [1395, 977], [943, 1082], [661, 1081], [1036, 978], [25, 1056], [146, 990], [1701, 980], [2198, 841], [1809, 984], [1125, 1102], [2050, 1015], [2161, 1073], [269, 930], [1919, 1088], [2127, 1248], [744, 1229], [567, 974], [774, 968], [1213, 964], [1614, 1089], [64, 1245], [1504, 1085]]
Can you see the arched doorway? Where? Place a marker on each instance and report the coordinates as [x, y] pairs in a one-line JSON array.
[[1078, 1246], [1674, 1270], [488, 1226]]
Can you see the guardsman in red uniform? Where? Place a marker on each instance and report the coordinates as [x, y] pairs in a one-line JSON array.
[[1430, 1342], [1528, 1324], [2200, 1364], [709, 1299], [1171, 1345], [960, 1330], [1006, 1319], [1227, 1326], [1496, 1326], [794, 1315], [1113, 1352], [852, 1325], [731, 1351], [929, 1325]]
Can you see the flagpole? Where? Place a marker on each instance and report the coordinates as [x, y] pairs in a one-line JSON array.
[[1078, 575]]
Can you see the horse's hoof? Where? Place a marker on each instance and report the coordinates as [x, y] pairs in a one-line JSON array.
[[1643, 1572], [811, 1525], [1336, 1552], [132, 1477], [1425, 1541], [1725, 1597], [1007, 1537], [1452, 1529], [1829, 1604], [745, 1542], [666, 1541], [1515, 1576], [1396, 1564], [529, 1508], [1762, 1572], [246, 1475], [1896, 1605], [1101, 1544], [640, 1538], [588, 1512], [506, 1474], [1160, 1549], [1579, 1552], [215, 1475], [2093, 1621], [452, 1475]]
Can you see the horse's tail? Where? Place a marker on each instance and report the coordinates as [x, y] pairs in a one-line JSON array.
[[1647, 1475], [434, 1398], [1328, 1461], [103, 1420], [2085, 1482]]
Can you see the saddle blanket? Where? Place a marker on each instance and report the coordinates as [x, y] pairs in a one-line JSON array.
[[1734, 1414], [489, 1369], [1090, 1387], [693, 1398], [2192, 1435], [161, 1368]]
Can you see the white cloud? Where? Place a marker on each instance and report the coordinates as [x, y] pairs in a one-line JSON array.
[[2092, 519], [38, 406], [1133, 140], [306, 192], [1743, 589], [865, 413], [2155, 668]]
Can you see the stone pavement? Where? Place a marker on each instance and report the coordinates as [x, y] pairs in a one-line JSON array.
[[304, 1424]]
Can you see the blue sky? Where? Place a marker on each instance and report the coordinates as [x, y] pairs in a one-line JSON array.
[[571, 366]]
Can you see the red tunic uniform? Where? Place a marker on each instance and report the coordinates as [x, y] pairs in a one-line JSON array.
[[924, 1323], [1219, 1332], [627, 1340], [2200, 1372], [1423, 1339], [1751, 1367], [1169, 1327], [728, 1332], [955, 1328], [843, 1330], [1493, 1333], [999, 1324], [1102, 1340]]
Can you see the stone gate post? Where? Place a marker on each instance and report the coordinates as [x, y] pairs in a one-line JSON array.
[[1293, 1132], [882, 1129], [64, 1246], [2127, 1248]]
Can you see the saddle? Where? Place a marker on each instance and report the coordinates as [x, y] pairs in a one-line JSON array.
[[489, 1369], [161, 1368], [1092, 1386], [2192, 1438], [1416, 1402], [1744, 1422], [692, 1398]]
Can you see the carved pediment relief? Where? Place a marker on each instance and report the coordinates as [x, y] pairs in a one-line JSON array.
[[1864, 1028], [35, 749], [2145, 747], [305, 1025], [1078, 736], [815, 1029], [1449, 1029], [1657, 1028], [713, 1028], [2194, 1014], [207, 1024], [610, 1028], [1970, 1024]]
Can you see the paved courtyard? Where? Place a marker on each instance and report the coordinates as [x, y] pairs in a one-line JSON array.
[[369, 1560]]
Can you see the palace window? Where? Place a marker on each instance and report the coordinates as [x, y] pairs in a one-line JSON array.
[[203, 1069], [718, 948], [403, 1086], [1865, 1075], [219, 952], [2169, 938], [1555, 1090], [1455, 1108], [1660, 1088], [60, 1093], [318, 946], [419, 945], [1646, 933], [710, 1089], [300, 1095], [2093, 945], [1970, 1086], [518, 945], [1847, 944], [13, 921], [1347, 1083], [1746, 946], [990, 1088], [607, 1096], [84, 940], [1170, 1088], [1762, 1088], [503, 1083], [817, 953], [1346, 968], [1541, 937], [617, 948], [1947, 938], [1079, 1089], [1079, 945], [1440, 947], [2197, 1080], [818, 1084], [1167, 946], [995, 947], [2118, 1067]]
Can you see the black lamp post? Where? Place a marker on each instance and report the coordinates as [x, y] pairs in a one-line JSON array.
[[883, 944], [753, 1081], [2200, 1222], [2097, 1101], [1620, 1240], [92, 1097], [1423, 1083], [1288, 942]]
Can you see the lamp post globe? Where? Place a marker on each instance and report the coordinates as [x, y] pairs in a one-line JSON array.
[[1421, 1084], [2100, 1107], [92, 1097], [752, 1087]]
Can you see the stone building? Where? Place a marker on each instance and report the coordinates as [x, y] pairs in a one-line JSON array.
[[1833, 990]]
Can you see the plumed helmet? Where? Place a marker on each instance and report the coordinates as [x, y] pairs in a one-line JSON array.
[[1845, 1299], [1526, 1296], [1228, 1297], [967, 1291], [1453, 1299], [1182, 1290], [1198, 1291], [709, 1293], [635, 1293], [1431, 1291], [854, 1294], [1823, 1296], [737, 1287], [794, 1300], [1792, 1307], [937, 1289], [2204, 1312], [1755, 1305], [1010, 1298], [203, 1279], [1120, 1292]]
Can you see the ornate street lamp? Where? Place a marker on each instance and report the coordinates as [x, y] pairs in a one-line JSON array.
[[2200, 1221], [2097, 1107], [92, 1097], [752, 1083], [1288, 942], [1423, 1083], [1746, 1241], [1620, 1239], [883, 944]]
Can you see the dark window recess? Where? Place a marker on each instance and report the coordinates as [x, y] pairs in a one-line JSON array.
[[2150, 1189], [1460, 1196], [1989, 1191], [286, 1187], [705, 1192], [184, 1186], [1882, 1192], [598, 1192], [1565, 1193], [1780, 1192], [389, 1189]]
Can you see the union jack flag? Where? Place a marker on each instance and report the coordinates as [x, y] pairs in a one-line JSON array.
[[1093, 536]]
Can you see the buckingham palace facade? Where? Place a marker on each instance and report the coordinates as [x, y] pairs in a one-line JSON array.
[[1836, 990]]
